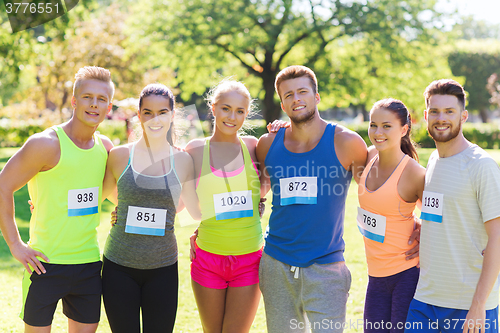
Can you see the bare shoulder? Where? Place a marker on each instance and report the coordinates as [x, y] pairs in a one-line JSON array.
[[250, 141], [412, 181], [108, 144], [415, 169], [182, 156], [43, 144], [265, 141], [372, 152], [349, 143], [263, 146], [119, 153], [41, 152], [347, 136], [195, 146]]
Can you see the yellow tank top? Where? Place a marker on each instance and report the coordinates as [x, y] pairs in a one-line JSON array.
[[230, 223], [67, 203]]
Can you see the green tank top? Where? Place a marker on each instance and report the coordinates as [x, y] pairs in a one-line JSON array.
[[230, 222], [67, 203]]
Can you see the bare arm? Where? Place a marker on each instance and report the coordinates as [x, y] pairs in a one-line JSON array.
[[261, 150], [489, 274], [109, 183], [185, 169], [41, 152], [351, 151]]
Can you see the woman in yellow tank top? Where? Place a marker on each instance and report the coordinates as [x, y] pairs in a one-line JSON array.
[[226, 256], [389, 188]]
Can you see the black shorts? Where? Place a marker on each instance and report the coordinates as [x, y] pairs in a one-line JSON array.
[[79, 287]]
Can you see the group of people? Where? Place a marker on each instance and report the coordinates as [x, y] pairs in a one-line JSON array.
[[300, 271]]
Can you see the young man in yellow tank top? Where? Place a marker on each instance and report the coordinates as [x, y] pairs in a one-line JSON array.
[[65, 167]]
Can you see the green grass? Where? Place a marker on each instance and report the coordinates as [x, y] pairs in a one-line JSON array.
[[187, 315]]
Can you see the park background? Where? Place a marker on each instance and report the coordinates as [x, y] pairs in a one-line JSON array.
[[362, 51]]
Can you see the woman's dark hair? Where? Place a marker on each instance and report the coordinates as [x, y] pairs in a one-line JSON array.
[[161, 90], [398, 107]]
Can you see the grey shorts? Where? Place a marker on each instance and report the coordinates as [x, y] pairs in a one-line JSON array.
[[310, 299]]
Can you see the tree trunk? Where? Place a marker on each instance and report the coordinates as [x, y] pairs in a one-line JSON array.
[[484, 115], [270, 109], [365, 113]]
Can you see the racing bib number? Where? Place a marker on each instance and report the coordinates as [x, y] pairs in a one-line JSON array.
[[83, 201], [432, 207], [146, 221], [232, 205], [371, 225], [298, 190]]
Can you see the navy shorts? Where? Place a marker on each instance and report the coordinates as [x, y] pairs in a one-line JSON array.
[[79, 287], [427, 318]]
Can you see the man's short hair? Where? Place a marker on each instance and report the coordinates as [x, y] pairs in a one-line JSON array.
[[445, 87], [93, 73], [294, 72]]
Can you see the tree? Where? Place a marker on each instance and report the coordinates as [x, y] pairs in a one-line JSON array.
[[95, 40], [493, 87], [476, 60], [203, 37], [361, 72], [15, 55]]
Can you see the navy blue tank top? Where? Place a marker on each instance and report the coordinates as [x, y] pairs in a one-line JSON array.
[[309, 192]]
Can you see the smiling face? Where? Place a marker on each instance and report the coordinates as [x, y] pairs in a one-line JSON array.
[[156, 116], [92, 101], [230, 111], [298, 99], [444, 117], [385, 129]]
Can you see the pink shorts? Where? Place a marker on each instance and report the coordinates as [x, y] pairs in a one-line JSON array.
[[219, 272]]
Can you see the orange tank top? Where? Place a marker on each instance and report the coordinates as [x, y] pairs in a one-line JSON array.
[[388, 257]]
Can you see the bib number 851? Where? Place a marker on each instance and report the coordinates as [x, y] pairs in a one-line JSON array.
[[146, 217]]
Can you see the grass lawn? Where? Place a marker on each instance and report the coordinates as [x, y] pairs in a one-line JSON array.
[[187, 316]]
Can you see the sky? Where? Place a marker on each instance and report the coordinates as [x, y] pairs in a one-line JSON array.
[[488, 10]]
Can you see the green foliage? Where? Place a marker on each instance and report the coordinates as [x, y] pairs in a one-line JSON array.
[[476, 60], [15, 137], [486, 136], [202, 39], [361, 72], [114, 130]]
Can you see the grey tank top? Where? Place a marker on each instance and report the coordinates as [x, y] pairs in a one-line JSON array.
[[135, 189]]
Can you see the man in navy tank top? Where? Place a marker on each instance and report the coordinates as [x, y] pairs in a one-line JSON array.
[[308, 166]]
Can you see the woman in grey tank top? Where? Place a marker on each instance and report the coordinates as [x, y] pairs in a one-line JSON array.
[[140, 256]]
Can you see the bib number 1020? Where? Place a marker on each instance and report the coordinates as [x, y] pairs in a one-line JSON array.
[[233, 200]]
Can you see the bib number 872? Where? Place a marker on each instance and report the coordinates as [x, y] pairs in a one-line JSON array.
[[85, 197], [291, 186], [370, 221]]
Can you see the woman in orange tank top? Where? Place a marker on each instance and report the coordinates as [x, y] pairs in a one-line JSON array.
[[388, 190]]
